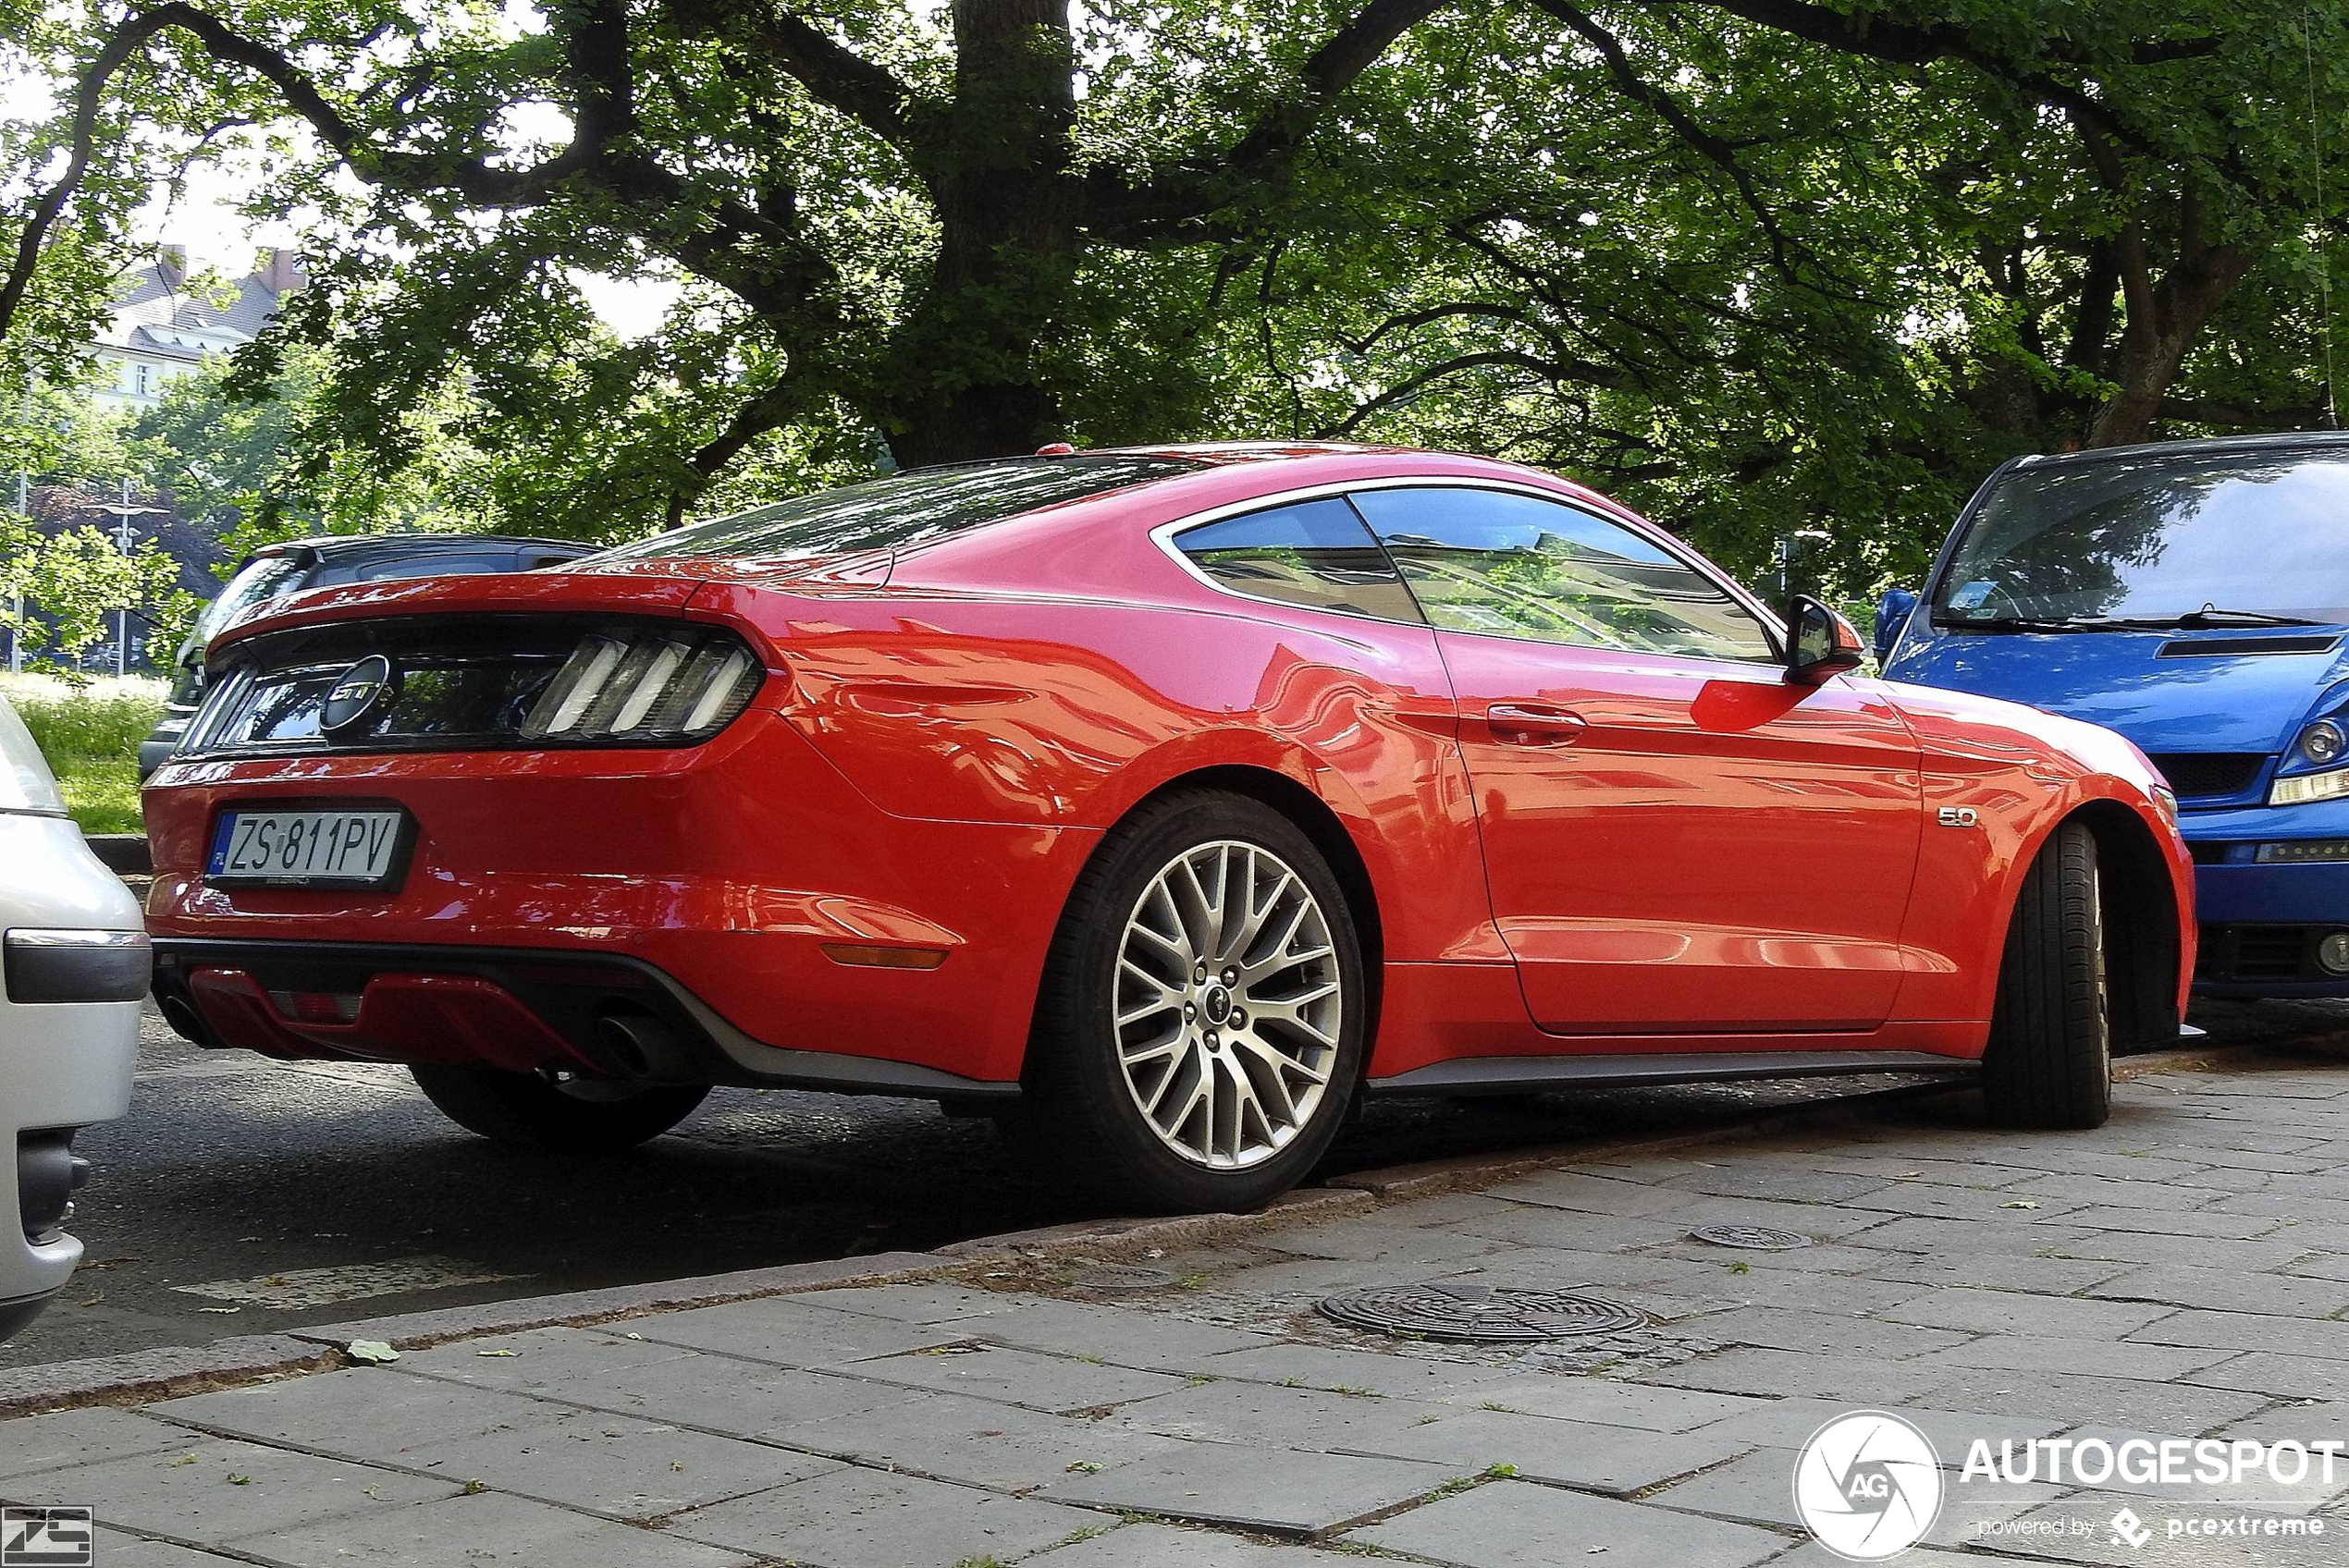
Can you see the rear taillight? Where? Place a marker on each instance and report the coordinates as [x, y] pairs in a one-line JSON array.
[[647, 684]]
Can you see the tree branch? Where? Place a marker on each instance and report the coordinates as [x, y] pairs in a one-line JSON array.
[[1262, 154], [1917, 44], [872, 96], [1411, 386], [596, 63], [768, 410], [1713, 149]]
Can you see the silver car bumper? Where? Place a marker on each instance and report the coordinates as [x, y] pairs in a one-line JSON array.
[[64, 1065]]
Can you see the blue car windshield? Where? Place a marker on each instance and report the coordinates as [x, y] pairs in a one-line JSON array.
[[2245, 535]]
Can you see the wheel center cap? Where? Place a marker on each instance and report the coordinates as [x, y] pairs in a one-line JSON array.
[[1219, 1004]]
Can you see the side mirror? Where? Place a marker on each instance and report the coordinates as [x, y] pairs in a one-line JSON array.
[[1892, 612], [1819, 642]]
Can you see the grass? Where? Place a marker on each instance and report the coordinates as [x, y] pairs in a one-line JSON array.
[[91, 736]]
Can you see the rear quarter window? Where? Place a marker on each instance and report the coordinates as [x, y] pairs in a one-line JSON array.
[[1318, 554]]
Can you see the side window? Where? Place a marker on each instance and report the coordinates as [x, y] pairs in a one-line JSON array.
[[1518, 566], [1311, 553]]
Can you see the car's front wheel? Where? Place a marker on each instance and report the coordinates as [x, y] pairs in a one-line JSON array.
[[562, 1115], [2048, 1062], [1200, 1027]]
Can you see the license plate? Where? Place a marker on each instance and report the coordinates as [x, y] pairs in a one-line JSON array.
[[308, 849]]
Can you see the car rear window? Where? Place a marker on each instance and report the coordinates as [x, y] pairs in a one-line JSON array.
[[266, 577], [908, 508]]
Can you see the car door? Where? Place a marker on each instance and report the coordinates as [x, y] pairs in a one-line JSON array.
[[1678, 841]]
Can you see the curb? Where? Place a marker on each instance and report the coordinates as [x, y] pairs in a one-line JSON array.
[[141, 1376], [138, 1376], [124, 854]]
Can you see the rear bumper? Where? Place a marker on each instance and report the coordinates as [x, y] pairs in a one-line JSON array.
[[522, 1009], [737, 881]]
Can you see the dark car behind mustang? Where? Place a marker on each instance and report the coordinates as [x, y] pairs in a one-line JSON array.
[[1162, 803]]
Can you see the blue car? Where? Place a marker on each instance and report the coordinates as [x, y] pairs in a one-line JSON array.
[[2194, 596]]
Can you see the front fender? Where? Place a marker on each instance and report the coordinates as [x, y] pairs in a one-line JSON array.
[[1999, 780]]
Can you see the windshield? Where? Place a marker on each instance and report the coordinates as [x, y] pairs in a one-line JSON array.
[[2156, 538], [907, 508], [263, 578]]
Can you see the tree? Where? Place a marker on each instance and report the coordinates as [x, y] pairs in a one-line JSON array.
[[257, 462], [73, 584], [1023, 223]]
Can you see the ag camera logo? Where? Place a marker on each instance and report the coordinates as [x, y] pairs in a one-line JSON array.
[[1867, 1485]]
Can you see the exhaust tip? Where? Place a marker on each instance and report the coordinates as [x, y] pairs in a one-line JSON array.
[[186, 1022], [634, 1043]]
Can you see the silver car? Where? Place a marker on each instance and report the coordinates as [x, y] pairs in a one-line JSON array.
[[75, 963]]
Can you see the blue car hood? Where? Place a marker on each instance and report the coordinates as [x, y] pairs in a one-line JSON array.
[[2247, 702]]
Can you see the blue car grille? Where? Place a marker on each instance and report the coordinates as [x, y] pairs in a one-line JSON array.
[[2209, 775]]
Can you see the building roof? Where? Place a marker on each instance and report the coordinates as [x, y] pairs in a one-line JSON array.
[[161, 311]]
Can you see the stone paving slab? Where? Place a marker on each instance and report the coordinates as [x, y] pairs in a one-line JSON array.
[[1146, 1545], [619, 1468], [1513, 1525], [36, 1443], [862, 1518], [976, 1441], [793, 1331], [223, 1491], [1757, 1489], [2175, 1274], [505, 1532], [118, 1550], [1292, 1491]]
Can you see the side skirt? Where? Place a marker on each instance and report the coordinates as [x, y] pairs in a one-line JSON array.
[[1519, 1074]]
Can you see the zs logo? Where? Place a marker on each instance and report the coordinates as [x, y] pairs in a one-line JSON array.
[[1958, 817], [45, 1538]]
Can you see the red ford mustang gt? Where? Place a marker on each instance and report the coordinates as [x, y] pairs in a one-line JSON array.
[[1161, 802]]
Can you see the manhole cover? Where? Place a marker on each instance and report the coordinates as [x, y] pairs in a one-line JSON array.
[[1480, 1314], [1752, 1238], [1121, 1277]]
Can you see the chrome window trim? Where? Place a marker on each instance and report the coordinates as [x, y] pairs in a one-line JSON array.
[[1164, 534]]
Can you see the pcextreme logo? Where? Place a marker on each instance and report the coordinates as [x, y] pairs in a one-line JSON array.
[[1868, 1486]]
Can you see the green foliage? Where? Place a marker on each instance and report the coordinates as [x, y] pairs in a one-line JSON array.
[[79, 579], [1755, 264], [251, 456], [90, 738], [54, 434]]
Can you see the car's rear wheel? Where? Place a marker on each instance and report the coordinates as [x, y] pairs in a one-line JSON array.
[[567, 1116], [2048, 1062], [1200, 1031]]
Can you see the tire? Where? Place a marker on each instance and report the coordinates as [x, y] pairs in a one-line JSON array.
[[536, 1112], [2048, 1062], [1123, 1096]]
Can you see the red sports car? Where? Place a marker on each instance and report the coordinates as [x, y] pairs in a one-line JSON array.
[[1161, 802]]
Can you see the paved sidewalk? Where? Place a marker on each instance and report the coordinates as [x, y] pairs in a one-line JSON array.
[[2181, 1273]]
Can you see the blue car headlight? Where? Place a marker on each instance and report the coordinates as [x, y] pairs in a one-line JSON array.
[[2322, 745]]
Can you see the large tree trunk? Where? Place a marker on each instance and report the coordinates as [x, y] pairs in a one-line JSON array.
[[2163, 320], [964, 380], [971, 422]]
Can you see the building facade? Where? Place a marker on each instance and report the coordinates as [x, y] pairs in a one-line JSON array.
[[163, 326]]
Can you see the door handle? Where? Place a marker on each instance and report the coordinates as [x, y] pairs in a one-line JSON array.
[[1533, 724]]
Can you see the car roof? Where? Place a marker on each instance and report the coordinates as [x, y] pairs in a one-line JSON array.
[[2208, 446]]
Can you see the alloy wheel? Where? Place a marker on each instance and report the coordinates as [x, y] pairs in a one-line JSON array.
[[1230, 1004]]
